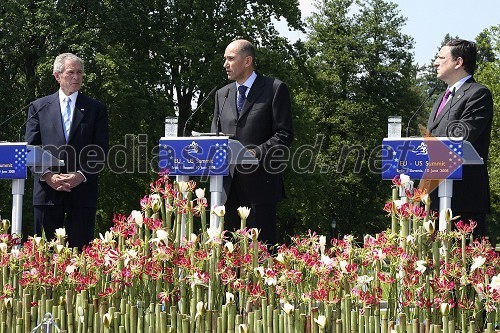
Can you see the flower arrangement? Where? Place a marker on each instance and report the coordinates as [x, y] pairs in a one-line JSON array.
[[162, 269]]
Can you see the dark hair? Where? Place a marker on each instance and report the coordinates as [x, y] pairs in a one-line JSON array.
[[247, 49], [466, 50]]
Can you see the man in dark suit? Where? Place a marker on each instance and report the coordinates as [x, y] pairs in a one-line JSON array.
[[465, 109], [257, 111], [74, 128]]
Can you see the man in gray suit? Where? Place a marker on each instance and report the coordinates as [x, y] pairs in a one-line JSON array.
[[256, 110], [466, 110]]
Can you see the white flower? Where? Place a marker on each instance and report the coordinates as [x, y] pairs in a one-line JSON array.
[[200, 193], [322, 243], [200, 309], [243, 212], [107, 238], [363, 281], [259, 271], [214, 235], [161, 236], [219, 211], [495, 282], [321, 321], [288, 308], [229, 246], [430, 226], [107, 319], [254, 234], [445, 309], [229, 298], [155, 202], [3, 247], [8, 302], [183, 186], [61, 233], [448, 215], [421, 266], [426, 199], [136, 217], [343, 266], [59, 248], [280, 258], [270, 280], [70, 269], [326, 260], [477, 263], [404, 179], [398, 203]]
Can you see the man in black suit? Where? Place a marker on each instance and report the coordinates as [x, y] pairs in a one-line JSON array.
[[466, 110], [74, 128], [257, 111]]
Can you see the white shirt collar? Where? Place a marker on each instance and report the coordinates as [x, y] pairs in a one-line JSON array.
[[248, 83], [459, 83]]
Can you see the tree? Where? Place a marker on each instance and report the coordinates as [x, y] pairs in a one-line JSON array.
[[363, 73]]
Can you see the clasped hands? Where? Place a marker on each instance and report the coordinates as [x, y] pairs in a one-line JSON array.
[[63, 181]]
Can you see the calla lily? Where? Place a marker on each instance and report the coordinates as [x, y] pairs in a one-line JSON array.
[[200, 309], [254, 234], [288, 308], [106, 320], [155, 202], [243, 212], [321, 321], [229, 246], [219, 211], [136, 217], [477, 263], [200, 193], [242, 328], [430, 226], [445, 309], [61, 233], [495, 282], [421, 266], [229, 298]]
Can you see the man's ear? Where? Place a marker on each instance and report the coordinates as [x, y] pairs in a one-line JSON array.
[[460, 62]]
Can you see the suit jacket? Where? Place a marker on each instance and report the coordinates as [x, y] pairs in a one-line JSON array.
[[469, 113], [265, 125], [85, 150]]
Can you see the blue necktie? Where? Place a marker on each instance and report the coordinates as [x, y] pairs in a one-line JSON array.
[[66, 117], [241, 98]]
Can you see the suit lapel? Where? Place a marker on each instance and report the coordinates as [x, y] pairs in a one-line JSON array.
[[232, 101], [253, 94], [55, 117], [78, 114]]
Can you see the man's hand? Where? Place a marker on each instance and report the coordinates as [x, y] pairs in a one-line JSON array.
[[63, 181]]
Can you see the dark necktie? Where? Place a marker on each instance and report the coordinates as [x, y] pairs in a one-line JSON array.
[[443, 102], [241, 98]]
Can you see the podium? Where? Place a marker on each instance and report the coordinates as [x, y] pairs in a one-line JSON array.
[[203, 156], [15, 157], [430, 158]]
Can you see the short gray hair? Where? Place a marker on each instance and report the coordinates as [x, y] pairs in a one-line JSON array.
[[61, 59]]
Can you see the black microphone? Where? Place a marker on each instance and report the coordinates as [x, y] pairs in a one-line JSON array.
[[29, 118], [418, 109], [15, 114], [195, 110], [220, 111]]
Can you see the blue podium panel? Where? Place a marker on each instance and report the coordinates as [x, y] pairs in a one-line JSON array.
[[13, 161], [422, 158], [194, 156]]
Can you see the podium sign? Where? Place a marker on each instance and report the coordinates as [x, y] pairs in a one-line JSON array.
[[422, 158], [13, 161], [194, 156]]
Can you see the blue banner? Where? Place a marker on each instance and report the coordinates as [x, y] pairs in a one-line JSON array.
[[13, 161], [194, 156], [422, 158]]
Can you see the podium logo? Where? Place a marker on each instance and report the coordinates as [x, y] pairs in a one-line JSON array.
[[192, 148]]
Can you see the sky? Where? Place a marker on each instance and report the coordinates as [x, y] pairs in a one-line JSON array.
[[428, 21]]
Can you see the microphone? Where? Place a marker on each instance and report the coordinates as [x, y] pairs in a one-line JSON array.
[[418, 109], [29, 118], [197, 108], [15, 114], [220, 111]]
